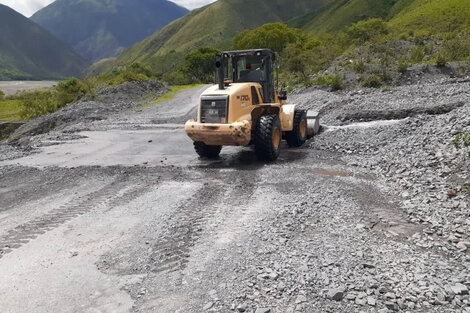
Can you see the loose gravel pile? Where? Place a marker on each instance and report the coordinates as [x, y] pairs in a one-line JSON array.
[[405, 136], [78, 115]]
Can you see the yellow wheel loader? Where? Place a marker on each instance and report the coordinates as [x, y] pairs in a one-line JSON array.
[[245, 109]]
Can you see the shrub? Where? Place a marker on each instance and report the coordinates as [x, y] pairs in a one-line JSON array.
[[177, 77], [371, 81], [133, 72], [456, 49], [462, 140], [441, 60], [334, 81], [68, 91], [364, 31], [274, 36], [359, 66], [403, 65], [39, 102], [417, 54], [2, 95]]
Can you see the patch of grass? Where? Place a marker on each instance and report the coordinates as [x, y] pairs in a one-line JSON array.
[[334, 81], [169, 95], [417, 54], [371, 81], [462, 140], [117, 76], [10, 110], [441, 60], [359, 66], [403, 65]]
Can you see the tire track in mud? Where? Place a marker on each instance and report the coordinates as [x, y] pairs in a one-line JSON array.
[[172, 252], [110, 195]]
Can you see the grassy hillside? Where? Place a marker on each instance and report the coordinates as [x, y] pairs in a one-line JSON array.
[[29, 52], [104, 28], [343, 13], [425, 16], [214, 25], [433, 17]]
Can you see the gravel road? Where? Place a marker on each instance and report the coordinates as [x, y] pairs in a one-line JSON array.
[[117, 214]]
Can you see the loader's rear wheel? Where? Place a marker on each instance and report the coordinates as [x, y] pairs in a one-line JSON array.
[[206, 151], [298, 135], [268, 136]]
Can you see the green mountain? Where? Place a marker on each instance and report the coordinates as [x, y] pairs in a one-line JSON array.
[[431, 17], [343, 13], [29, 52], [404, 15], [99, 29], [218, 23], [215, 25]]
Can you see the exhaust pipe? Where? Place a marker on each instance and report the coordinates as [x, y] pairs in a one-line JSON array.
[[220, 72]]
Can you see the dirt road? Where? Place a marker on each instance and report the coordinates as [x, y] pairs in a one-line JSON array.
[[126, 218]]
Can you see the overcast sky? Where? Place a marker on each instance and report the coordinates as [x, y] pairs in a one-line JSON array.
[[29, 7]]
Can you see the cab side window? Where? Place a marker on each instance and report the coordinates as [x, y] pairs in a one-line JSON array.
[[254, 95]]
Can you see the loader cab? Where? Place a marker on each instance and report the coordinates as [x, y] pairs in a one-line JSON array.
[[244, 66]]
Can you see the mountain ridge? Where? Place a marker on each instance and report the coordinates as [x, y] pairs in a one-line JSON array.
[[27, 51], [219, 22], [99, 29]]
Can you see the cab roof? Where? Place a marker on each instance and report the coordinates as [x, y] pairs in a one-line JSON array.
[[253, 52]]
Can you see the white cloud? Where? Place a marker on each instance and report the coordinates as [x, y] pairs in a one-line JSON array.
[[192, 4], [26, 7], [29, 7]]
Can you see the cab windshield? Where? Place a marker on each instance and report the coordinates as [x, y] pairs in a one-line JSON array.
[[245, 69]]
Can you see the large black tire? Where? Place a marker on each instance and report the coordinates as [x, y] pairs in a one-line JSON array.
[[206, 151], [299, 133], [268, 135]]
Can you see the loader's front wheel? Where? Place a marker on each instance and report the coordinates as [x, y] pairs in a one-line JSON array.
[[268, 135], [298, 135], [206, 151]]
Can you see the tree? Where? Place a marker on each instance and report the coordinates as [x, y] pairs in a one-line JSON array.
[[274, 36], [364, 31], [200, 64]]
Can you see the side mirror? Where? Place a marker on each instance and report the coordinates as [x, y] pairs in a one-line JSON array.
[[283, 95]]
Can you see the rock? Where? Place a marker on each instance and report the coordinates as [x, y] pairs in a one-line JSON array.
[[336, 294], [452, 193], [281, 286], [391, 306], [371, 301], [241, 307], [208, 306], [459, 289], [463, 245], [300, 299], [263, 310]]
